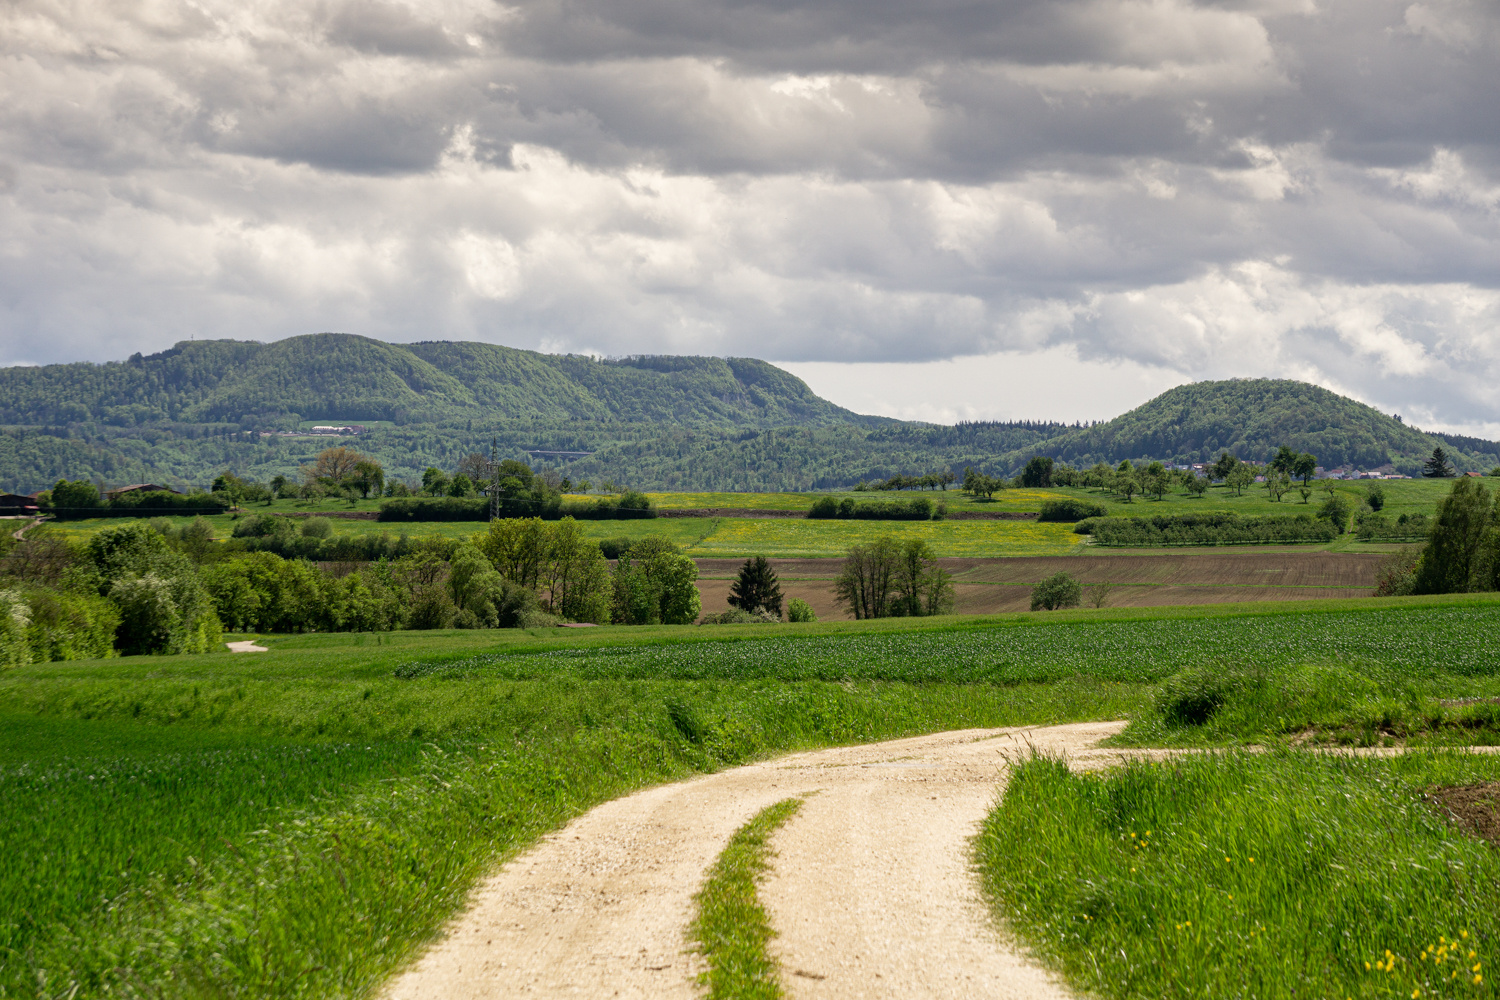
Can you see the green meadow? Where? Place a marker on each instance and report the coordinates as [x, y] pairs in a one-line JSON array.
[[296, 823]]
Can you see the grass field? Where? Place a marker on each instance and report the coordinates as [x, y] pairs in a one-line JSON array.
[[295, 823], [1269, 875], [739, 537]]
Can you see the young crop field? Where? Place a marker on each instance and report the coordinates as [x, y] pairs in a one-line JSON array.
[[732, 537], [295, 823]]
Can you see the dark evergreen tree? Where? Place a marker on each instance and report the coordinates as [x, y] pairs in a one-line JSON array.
[[757, 588], [1438, 466]]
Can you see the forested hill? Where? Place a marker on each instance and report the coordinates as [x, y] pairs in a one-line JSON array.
[[1252, 418], [347, 378], [675, 423]]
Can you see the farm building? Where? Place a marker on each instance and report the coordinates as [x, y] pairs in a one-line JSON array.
[[15, 503]]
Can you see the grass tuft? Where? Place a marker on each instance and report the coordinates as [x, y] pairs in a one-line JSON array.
[[732, 929]]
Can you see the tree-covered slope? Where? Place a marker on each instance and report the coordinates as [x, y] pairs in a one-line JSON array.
[[663, 422], [344, 377], [1252, 418]]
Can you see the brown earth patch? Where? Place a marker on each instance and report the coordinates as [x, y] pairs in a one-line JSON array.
[[997, 586], [1473, 808]]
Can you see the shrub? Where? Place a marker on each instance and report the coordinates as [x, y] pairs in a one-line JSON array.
[[1057, 591], [149, 618], [70, 625], [316, 527], [1208, 529], [435, 509], [140, 503], [15, 616], [739, 616], [1192, 697], [431, 607], [1375, 496], [824, 508], [1336, 510], [1070, 509], [614, 548], [798, 610], [914, 509]]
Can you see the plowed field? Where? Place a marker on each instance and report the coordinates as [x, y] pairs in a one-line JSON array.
[[989, 586]]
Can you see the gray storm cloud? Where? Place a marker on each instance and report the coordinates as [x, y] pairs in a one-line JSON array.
[[1290, 188]]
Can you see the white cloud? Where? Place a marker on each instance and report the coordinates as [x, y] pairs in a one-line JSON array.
[[1181, 189]]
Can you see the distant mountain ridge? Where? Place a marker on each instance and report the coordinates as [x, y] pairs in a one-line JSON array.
[[653, 422], [343, 376]]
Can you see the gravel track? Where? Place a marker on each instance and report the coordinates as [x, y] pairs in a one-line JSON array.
[[872, 892]]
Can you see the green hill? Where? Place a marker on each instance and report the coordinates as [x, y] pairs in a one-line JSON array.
[[1252, 418], [344, 377], [664, 422]]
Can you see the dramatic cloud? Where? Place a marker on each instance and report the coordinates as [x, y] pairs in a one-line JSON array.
[[1168, 189]]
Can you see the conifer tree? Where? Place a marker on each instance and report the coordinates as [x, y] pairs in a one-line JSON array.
[[756, 588], [1438, 466]]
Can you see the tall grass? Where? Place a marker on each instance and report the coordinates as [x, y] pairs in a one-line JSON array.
[[1236, 875]]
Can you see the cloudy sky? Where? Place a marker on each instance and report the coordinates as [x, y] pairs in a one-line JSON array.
[[929, 208]]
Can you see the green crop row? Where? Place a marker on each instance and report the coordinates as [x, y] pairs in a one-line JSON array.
[[1414, 642]]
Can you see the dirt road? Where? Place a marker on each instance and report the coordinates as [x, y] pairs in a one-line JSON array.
[[871, 890]]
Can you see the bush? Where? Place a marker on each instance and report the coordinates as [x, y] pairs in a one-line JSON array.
[[629, 506], [149, 619], [1336, 510], [614, 548], [139, 504], [435, 509], [824, 508], [15, 616], [1057, 591], [798, 610], [1208, 529], [1375, 496], [738, 616], [1071, 510], [915, 509], [70, 625], [1192, 697], [316, 527]]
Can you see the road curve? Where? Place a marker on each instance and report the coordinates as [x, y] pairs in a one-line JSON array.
[[871, 892]]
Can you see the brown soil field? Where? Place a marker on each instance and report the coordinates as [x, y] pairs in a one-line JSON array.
[[991, 586]]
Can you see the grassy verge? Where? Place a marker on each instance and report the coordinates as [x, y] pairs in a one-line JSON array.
[[1372, 704], [732, 929], [1238, 875]]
